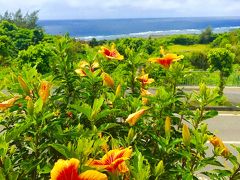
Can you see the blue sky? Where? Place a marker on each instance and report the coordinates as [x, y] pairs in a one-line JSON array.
[[95, 9]]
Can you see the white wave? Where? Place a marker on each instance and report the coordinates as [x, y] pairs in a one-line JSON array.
[[157, 33]]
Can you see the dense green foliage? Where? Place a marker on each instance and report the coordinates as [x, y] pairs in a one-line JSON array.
[[14, 39], [222, 60], [62, 98]]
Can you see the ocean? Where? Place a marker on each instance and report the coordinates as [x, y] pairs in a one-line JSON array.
[[117, 28]]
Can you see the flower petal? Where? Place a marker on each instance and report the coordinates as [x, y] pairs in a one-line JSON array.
[[81, 72], [8, 103], [112, 160], [65, 170], [92, 175], [111, 54], [44, 90], [132, 118], [122, 168], [107, 80]]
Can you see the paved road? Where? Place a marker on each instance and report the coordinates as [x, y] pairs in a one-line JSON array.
[[226, 126], [232, 93]]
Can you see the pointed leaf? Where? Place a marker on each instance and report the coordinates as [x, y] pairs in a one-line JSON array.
[[62, 150], [85, 109], [97, 104], [107, 126]]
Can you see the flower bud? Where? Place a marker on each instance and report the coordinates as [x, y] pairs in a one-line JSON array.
[[23, 85], [186, 135], [167, 126], [118, 91], [44, 90], [107, 80], [30, 105]]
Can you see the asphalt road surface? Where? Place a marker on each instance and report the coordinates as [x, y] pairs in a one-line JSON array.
[[232, 93], [226, 126]]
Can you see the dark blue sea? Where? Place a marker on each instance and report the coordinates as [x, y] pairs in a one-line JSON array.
[[117, 28]]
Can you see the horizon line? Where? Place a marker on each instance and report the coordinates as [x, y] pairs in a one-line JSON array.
[[125, 18]]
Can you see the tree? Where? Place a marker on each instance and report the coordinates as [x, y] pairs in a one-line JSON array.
[[221, 59], [206, 36], [25, 21]]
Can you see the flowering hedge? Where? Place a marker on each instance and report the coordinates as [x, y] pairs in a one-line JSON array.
[[99, 119]]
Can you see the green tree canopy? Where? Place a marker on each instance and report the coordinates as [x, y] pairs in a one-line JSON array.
[[29, 20], [221, 59]]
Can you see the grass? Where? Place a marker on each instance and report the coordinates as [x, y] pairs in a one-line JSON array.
[[196, 77], [188, 48]]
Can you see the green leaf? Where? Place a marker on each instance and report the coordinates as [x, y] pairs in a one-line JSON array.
[[85, 109], [223, 173], [237, 148], [210, 114], [7, 164], [45, 170], [107, 126], [105, 113], [15, 132], [236, 176], [212, 176], [38, 106], [234, 161], [97, 104], [2, 175], [62, 150], [141, 167], [211, 161], [13, 176]]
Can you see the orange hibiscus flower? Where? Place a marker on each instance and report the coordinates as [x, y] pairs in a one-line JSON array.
[[113, 161], [68, 170], [85, 64], [167, 59], [145, 80], [111, 53], [132, 118], [8, 103], [218, 144]]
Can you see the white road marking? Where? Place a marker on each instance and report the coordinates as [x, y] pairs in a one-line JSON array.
[[228, 142], [228, 114], [231, 142]]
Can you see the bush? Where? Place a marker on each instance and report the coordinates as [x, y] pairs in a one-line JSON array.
[[199, 60], [185, 39], [40, 55]]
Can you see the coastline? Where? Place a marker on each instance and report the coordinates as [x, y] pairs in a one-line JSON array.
[[111, 29], [156, 34]]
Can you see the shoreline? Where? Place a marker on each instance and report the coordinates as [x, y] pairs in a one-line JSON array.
[[156, 34]]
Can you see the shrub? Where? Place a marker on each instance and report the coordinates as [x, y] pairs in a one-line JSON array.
[[199, 60], [185, 39]]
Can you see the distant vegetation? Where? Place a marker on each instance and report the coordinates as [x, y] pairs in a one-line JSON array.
[[29, 20]]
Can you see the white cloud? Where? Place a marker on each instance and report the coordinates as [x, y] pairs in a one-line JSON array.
[[58, 9]]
